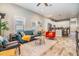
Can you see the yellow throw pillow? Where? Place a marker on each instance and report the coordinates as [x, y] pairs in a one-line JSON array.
[[26, 37]]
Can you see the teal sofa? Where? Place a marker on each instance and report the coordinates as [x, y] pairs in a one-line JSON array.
[[29, 32]]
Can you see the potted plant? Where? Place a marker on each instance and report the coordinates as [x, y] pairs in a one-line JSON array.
[[3, 26]]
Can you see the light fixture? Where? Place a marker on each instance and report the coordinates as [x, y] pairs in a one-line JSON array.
[[2, 15], [45, 4]]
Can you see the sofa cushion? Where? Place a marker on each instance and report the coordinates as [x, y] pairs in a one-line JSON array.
[[19, 38], [26, 37], [29, 32], [22, 33]]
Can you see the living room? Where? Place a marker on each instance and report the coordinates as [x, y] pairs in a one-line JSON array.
[[34, 29]]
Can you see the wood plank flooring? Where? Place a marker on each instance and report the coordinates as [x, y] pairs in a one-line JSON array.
[[65, 47]]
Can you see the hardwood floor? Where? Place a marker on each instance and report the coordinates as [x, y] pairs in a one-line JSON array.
[[65, 47]]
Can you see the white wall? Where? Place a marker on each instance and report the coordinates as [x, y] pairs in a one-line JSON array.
[[73, 24], [13, 11], [62, 24], [46, 23]]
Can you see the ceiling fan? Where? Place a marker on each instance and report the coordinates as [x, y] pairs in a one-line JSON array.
[[46, 4]]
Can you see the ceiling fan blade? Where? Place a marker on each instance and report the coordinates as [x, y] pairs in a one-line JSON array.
[[38, 4], [46, 4]]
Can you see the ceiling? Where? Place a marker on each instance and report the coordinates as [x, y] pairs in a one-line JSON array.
[[56, 11]]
